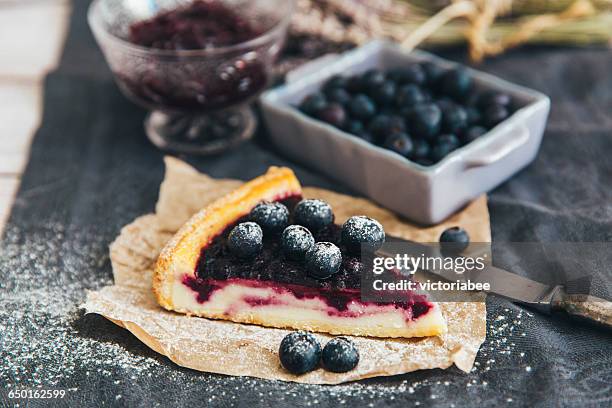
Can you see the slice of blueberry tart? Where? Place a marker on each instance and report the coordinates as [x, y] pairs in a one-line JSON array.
[[263, 255]]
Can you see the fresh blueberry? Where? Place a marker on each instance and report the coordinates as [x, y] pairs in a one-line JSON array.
[[456, 83], [361, 107], [334, 114], [454, 240], [433, 73], [443, 146], [245, 240], [338, 95], [381, 126], [372, 79], [313, 103], [494, 98], [273, 217], [354, 127], [454, 118], [354, 84], [424, 121], [296, 241], [409, 95], [336, 81], [473, 133], [313, 214], [399, 143], [299, 352], [361, 232], [384, 94], [495, 114], [473, 115], [420, 149], [424, 161], [410, 74], [323, 260], [340, 355]]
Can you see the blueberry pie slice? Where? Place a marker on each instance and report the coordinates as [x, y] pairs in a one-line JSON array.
[[263, 255]]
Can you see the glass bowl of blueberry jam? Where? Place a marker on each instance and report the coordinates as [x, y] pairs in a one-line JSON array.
[[196, 64]]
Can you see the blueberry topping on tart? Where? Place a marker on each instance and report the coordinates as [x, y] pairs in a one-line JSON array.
[[340, 355], [454, 240], [313, 214], [271, 217], [296, 241], [361, 232], [323, 260], [299, 352], [245, 240]]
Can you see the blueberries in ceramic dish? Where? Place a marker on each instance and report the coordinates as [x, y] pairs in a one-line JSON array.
[[454, 240], [333, 113], [296, 241], [422, 102], [299, 352], [473, 133], [245, 240], [399, 143], [424, 121], [313, 214], [361, 232], [323, 260], [340, 355], [272, 217]]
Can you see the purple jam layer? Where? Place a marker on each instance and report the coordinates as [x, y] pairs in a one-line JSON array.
[[197, 84], [217, 268], [337, 300], [199, 25]]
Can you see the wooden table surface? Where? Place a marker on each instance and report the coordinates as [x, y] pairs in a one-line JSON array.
[[32, 33]]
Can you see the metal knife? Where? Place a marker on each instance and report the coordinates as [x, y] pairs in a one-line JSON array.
[[540, 296]]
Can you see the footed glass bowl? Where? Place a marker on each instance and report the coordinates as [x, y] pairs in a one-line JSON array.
[[198, 91]]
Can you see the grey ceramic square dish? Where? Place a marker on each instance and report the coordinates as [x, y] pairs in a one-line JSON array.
[[426, 195]]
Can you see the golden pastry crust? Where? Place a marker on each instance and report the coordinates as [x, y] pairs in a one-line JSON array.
[[181, 253]]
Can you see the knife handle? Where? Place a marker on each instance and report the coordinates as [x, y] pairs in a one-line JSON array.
[[586, 307]]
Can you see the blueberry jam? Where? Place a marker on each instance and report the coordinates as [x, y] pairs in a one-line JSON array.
[[217, 268], [195, 83]]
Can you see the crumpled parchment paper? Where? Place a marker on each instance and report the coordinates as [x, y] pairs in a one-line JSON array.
[[248, 350]]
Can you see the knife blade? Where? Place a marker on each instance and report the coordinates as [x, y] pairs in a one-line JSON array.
[[537, 295]]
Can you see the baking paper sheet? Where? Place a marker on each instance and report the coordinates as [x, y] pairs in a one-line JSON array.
[[249, 350]]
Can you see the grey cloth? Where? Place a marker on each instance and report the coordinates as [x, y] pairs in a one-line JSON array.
[[92, 170]]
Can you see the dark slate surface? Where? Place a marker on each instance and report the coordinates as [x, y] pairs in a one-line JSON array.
[[92, 171]]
